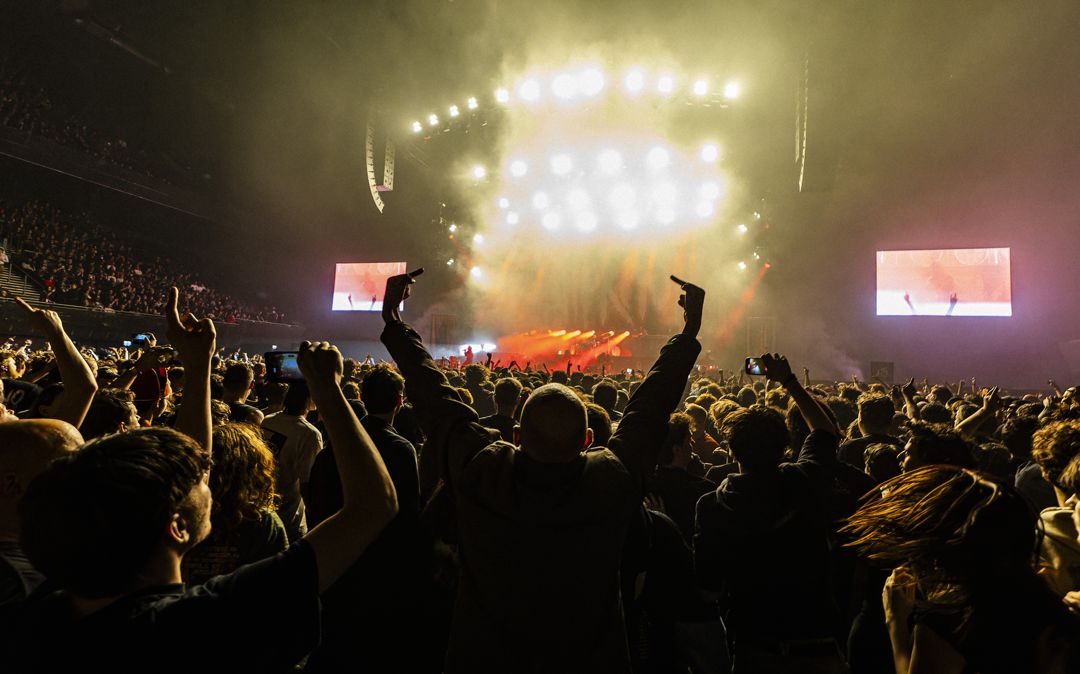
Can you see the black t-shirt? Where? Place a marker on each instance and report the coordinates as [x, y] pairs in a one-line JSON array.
[[224, 552], [854, 451], [20, 395], [264, 617], [18, 577], [503, 424]]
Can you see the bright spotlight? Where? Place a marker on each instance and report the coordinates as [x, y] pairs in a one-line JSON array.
[[564, 86], [710, 190], [731, 90], [452, 228], [609, 161], [578, 199], [665, 216], [628, 219], [454, 111], [541, 201], [591, 82], [472, 103], [478, 239], [433, 119], [701, 87], [666, 84], [757, 216], [741, 229], [665, 195], [512, 218], [476, 273], [586, 221], [502, 95], [450, 262], [757, 256], [504, 203], [479, 172], [561, 164], [417, 127], [742, 266], [622, 196], [518, 168], [551, 221], [529, 90], [634, 81], [657, 158], [709, 153], [704, 209]]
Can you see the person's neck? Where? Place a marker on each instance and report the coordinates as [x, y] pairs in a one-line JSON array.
[[234, 397], [388, 417], [1062, 497], [499, 411], [162, 569]]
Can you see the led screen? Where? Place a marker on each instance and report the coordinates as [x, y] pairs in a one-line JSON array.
[[951, 282], [359, 286]]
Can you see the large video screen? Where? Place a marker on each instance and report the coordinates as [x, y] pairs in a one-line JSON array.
[[359, 286], [951, 282]]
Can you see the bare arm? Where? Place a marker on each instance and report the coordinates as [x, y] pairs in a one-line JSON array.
[[195, 340], [970, 426], [369, 499], [79, 384], [910, 408]]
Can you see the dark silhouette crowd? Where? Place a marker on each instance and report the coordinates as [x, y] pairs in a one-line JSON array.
[[173, 508], [79, 262]]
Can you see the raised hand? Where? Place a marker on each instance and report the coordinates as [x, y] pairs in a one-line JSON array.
[[693, 303], [909, 389], [321, 363], [777, 368], [193, 338], [991, 400], [45, 321], [397, 291]]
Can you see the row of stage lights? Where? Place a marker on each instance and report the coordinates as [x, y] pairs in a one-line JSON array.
[[569, 86]]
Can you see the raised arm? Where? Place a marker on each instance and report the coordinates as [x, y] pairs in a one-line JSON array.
[[79, 384], [369, 500], [969, 427], [778, 370], [196, 341], [644, 424], [911, 409]]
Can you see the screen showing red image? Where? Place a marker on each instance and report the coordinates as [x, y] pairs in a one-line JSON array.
[[952, 282], [359, 286]]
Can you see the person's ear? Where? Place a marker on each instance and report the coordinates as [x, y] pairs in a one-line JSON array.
[[517, 435], [178, 530], [588, 439]]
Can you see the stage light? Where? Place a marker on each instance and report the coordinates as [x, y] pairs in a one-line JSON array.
[[701, 87], [504, 203], [479, 172], [591, 82], [658, 158], [586, 221], [561, 164], [417, 127], [634, 81], [628, 219], [564, 86], [502, 95], [578, 199], [622, 196], [518, 168], [529, 90], [450, 262], [757, 216], [665, 195], [731, 90], [757, 256], [741, 229], [512, 218], [551, 221], [666, 84], [476, 273], [665, 216], [433, 119], [541, 201], [478, 239], [472, 103], [742, 266], [454, 111], [704, 209], [452, 228], [710, 190], [609, 161], [709, 153]]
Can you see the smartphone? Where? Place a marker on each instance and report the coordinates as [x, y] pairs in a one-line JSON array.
[[629, 371], [127, 343], [281, 366], [755, 366], [140, 340]]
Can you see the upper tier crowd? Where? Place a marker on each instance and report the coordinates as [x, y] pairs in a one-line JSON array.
[[178, 508], [78, 262]]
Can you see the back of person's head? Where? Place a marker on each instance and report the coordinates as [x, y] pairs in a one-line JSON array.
[[465, 395], [554, 424], [699, 418], [720, 409], [678, 432], [382, 389], [936, 444], [219, 412], [935, 413], [605, 394], [297, 399], [600, 424], [757, 437], [41, 408], [1017, 434], [274, 393], [940, 394], [875, 412], [217, 386], [238, 377], [993, 458], [26, 448], [843, 410], [777, 398], [94, 518], [746, 396], [1054, 446], [882, 461], [243, 479], [111, 411], [507, 393], [705, 400], [351, 390], [475, 374]]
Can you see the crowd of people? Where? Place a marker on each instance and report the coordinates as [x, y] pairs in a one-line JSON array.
[[176, 507], [79, 262], [27, 107]]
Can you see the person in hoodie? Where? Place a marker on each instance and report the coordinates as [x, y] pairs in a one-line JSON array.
[[761, 539]]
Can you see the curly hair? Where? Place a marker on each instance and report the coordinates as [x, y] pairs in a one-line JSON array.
[[243, 479], [1054, 446]]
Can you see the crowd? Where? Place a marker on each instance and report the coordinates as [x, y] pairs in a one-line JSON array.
[[78, 262], [29, 108], [176, 508]]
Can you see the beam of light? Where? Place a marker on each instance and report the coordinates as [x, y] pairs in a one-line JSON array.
[[557, 333], [502, 95], [570, 335], [529, 90], [472, 103], [732, 323], [586, 335], [731, 90]]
